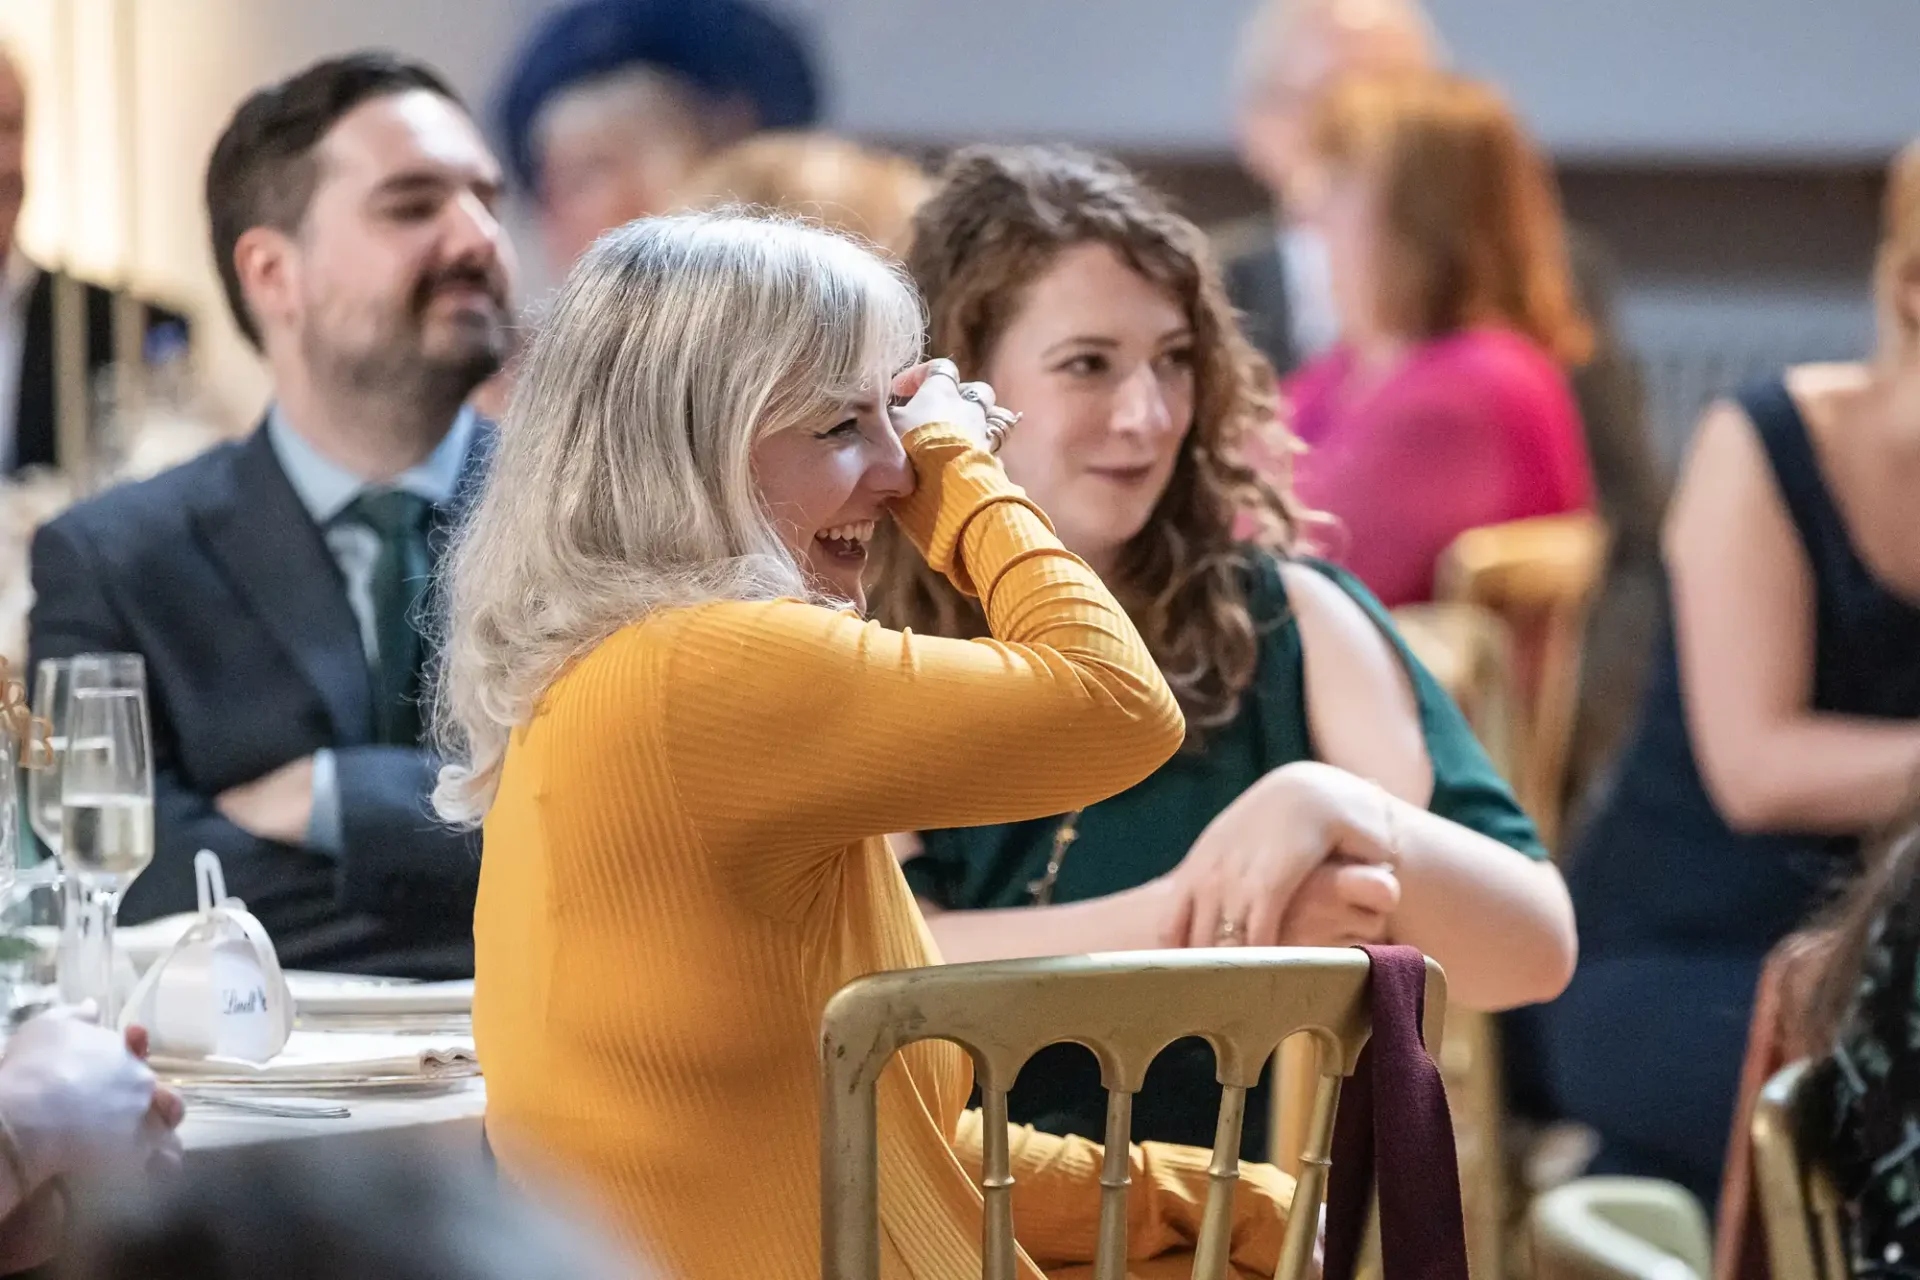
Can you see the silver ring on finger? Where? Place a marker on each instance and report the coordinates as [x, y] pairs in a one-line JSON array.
[[1229, 933], [940, 367], [978, 392]]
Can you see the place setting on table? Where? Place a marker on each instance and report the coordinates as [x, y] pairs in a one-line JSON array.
[[229, 1029]]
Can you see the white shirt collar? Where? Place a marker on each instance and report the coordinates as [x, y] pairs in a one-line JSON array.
[[325, 487]]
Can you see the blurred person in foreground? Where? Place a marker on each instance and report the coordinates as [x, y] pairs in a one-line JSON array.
[[610, 105], [1087, 301], [28, 415], [1843, 993], [300, 1211], [1291, 52], [76, 1100], [1782, 727], [274, 586], [687, 747], [1443, 407], [868, 194]]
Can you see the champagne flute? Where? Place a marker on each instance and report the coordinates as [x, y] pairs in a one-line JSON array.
[[106, 824], [52, 679]]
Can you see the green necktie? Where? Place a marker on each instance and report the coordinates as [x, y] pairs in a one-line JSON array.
[[400, 577]]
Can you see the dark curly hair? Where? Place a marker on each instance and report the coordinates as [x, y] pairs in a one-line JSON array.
[[998, 220]]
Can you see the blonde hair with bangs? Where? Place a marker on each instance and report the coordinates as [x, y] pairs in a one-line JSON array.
[[622, 481]]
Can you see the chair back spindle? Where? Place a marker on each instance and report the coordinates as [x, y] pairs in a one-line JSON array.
[[1798, 1200], [1540, 577], [1126, 1008]]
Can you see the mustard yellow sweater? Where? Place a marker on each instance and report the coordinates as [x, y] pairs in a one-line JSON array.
[[687, 858]]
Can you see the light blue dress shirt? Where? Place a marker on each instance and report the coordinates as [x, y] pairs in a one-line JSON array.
[[326, 489]]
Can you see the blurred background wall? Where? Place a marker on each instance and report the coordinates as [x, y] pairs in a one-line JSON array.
[[1726, 150]]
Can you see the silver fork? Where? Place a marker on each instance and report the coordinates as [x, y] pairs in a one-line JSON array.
[[291, 1109]]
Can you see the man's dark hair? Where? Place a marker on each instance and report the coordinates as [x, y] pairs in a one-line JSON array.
[[263, 171]]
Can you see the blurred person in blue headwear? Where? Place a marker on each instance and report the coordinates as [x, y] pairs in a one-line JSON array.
[[611, 104]]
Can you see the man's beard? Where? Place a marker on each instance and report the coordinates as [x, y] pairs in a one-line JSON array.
[[402, 370], [398, 366]]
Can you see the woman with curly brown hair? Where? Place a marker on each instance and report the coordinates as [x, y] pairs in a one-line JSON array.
[[1329, 792]]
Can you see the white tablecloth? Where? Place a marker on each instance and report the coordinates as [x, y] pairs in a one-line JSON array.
[[446, 1114]]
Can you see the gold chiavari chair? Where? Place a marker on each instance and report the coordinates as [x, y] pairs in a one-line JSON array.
[[1798, 1201], [1126, 1008], [1468, 649], [1539, 577], [1504, 637], [1620, 1229]]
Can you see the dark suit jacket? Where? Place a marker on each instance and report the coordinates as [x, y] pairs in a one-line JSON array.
[[34, 418], [1256, 279], [215, 573], [1626, 475]]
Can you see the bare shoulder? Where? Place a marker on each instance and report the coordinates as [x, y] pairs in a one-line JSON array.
[[1723, 432], [1329, 618], [1726, 473], [1726, 434], [1361, 706]]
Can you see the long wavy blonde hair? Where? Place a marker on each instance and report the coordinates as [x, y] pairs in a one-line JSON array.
[[621, 481]]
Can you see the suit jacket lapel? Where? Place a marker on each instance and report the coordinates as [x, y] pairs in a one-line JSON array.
[[279, 560]]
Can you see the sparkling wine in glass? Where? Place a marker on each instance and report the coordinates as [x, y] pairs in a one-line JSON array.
[[106, 826]]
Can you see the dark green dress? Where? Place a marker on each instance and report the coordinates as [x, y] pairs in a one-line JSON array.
[[1145, 831]]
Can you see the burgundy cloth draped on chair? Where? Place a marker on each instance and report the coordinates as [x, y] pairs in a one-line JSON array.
[[1393, 1131]]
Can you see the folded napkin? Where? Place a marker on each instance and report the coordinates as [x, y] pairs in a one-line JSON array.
[[339, 1058], [346, 995]]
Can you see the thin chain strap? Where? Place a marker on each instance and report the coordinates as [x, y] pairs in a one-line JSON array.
[[1063, 838]]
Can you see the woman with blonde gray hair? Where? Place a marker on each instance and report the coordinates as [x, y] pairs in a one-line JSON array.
[[686, 747]]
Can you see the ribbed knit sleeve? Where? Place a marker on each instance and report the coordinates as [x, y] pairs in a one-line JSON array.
[[1062, 706]]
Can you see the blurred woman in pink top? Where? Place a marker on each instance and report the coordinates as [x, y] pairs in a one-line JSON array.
[[1445, 405]]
